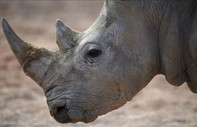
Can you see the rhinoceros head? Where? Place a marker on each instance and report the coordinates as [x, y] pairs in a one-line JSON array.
[[94, 72]]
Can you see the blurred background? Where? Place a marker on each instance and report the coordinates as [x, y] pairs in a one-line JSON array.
[[22, 101]]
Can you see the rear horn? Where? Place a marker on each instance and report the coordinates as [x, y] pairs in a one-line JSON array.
[[65, 36]]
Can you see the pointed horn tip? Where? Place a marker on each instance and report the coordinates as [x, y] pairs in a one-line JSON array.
[[5, 24], [6, 27], [3, 20], [59, 22]]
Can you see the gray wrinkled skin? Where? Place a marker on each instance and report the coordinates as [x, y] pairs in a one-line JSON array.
[[102, 68]]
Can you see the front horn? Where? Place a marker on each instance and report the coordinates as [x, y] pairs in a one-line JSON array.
[[35, 61]]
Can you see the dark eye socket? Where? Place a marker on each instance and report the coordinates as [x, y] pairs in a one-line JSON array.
[[94, 53]]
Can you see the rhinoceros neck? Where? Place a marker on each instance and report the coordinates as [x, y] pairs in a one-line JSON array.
[[177, 27]]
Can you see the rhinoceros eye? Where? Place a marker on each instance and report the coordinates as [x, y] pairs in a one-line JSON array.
[[94, 53]]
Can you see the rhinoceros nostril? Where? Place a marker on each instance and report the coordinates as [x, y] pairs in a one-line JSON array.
[[61, 114], [60, 110]]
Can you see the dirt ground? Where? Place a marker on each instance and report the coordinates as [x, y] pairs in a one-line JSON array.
[[22, 102]]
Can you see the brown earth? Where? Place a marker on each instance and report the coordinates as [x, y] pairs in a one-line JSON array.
[[22, 102]]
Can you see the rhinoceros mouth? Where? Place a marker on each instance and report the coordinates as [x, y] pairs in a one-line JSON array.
[[64, 115]]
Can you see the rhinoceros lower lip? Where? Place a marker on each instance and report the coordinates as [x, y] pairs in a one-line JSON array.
[[88, 117]]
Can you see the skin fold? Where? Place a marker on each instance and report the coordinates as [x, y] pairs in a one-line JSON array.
[[102, 68]]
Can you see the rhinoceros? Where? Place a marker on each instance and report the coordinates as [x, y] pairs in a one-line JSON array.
[[100, 69]]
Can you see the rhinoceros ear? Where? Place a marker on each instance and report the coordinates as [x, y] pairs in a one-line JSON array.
[[65, 37], [35, 61]]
